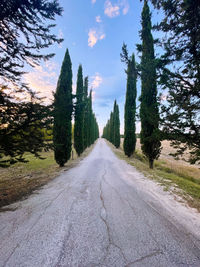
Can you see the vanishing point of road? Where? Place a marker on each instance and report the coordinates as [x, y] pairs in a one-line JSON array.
[[95, 214]]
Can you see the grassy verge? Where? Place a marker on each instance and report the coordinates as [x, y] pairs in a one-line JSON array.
[[21, 179], [182, 180]]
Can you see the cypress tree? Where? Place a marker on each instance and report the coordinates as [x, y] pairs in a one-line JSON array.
[[93, 129], [90, 119], [130, 108], [79, 114], [86, 113], [63, 113], [111, 130], [149, 107], [116, 125]]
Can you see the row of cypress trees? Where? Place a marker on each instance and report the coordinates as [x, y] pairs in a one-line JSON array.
[[66, 104], [149, 112], [111, 131], [86, 129]]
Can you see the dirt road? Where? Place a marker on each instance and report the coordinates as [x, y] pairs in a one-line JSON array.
[[101, 213]]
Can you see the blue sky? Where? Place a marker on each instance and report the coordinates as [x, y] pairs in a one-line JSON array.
[[94, 32]]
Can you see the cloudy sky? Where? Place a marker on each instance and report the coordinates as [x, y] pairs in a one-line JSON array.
[[94, 31]]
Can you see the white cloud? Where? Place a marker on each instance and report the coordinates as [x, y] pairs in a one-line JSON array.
[[98, 19], [94, 36], [102, 36], [113, 10], [93, 1], [125, 6], [43, 80], [96, 80]]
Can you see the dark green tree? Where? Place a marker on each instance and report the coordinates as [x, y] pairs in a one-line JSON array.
[[62, 130], [79, 114], [180, 74], [149, 113], [130, 104], [111, 131], [23, 127], [106, 130], [90, 119], [116, 125], [86, 113]]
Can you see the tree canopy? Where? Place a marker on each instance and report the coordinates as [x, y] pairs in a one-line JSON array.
[[24, 32], [180, 74]]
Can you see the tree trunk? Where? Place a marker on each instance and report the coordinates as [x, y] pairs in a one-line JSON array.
[[151, 163]]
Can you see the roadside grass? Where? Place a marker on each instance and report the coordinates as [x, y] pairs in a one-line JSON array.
[[180, 179], [20, 180]]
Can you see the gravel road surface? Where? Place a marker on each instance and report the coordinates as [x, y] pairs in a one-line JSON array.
[[101, 213]]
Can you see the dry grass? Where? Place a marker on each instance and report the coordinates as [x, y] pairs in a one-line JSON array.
[[180, 167], [21, 179], [177, 177]]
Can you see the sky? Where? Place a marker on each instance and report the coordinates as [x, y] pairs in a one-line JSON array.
[[94, 32]]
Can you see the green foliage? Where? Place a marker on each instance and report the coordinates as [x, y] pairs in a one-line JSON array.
[[62, 130], [90, 119], [21, 120], [86, 129], [111, 131], [20, 130], [149, 114], [130, 106], [180, 74], [116, 125], [86, 114], [79, 114], [30, 20]]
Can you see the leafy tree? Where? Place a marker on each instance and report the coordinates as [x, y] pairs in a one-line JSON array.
[[20, 131], [130, 104], [149, 114], [20, 119], [28, 19], [79, 114], [180, 74], [62, 130]]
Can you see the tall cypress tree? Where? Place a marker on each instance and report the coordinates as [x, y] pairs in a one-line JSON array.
[[63, 113], [130, 106], [90, 119], [116, 125], [149, 107], [79, 114], [86, 113], [111, 130]]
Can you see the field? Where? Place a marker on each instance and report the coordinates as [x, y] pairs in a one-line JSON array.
[[21, 179], [178, 177]]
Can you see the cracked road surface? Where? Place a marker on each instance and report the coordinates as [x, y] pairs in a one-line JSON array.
[[101, 213]]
